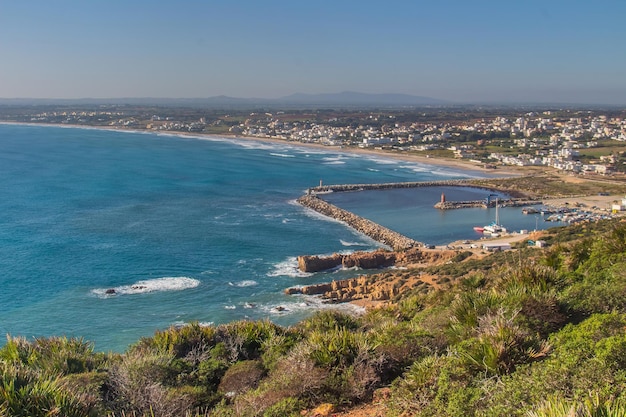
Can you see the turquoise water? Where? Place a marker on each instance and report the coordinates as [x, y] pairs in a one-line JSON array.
[[183, 229]]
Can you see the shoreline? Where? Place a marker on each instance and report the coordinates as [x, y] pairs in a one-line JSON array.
[[462, 166], [453, 164]]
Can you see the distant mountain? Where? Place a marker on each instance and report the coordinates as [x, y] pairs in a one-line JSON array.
[[350, 98], [346, 99]]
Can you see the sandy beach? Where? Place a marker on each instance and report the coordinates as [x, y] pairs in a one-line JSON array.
[[464, 165]]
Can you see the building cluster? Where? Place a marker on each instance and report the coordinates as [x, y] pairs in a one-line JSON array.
[[529, 139], [540, 139]]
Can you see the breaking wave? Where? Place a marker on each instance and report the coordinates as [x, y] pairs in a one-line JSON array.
[[345, 243], [288, 267], [244, 283], [148, 286]]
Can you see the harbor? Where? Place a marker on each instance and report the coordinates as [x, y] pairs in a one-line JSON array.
[[433, 209]]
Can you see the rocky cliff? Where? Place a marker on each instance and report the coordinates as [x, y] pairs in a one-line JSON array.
[[383, 286], [365, 260], [379, 287]]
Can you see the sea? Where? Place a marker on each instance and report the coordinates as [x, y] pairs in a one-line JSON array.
[[111, 235]]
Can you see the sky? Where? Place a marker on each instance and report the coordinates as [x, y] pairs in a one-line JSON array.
[[530, 51]]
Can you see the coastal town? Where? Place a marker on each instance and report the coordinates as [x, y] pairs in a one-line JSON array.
[[580, 141]]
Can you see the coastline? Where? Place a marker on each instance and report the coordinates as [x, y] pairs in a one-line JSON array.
[[453, 164], [390, 155]]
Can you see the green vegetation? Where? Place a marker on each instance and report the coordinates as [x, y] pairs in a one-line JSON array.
[[550, 185], [527, 333]]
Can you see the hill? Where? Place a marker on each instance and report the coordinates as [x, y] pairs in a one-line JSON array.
[[299, 100]]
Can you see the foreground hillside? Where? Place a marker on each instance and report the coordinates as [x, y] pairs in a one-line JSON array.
[[522, 333]]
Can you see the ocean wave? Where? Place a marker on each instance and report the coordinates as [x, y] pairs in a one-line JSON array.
[[244, 283], [334, 163], [383, 161], [304, 303], [415, 168], [289, 268], [282, 155], [335, 158], [345, 243], [255, 144], [148, 286], [450, 173]]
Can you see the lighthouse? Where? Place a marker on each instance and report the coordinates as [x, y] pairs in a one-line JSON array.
[[443, 198]]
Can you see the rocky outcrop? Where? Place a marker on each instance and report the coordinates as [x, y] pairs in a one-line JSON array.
[[375, 231], [365, 260], [384, 286], [312, 263], [380, 287]]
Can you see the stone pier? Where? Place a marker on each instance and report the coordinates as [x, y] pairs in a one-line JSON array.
[[377, 232]]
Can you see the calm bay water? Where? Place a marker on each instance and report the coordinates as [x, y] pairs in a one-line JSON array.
[[183, 229]]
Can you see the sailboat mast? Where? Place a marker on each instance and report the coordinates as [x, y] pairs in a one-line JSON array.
[[497, 218]]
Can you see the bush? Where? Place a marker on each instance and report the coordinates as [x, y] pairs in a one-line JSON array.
[[53, 356], [26, 393], [179, 341], [241, 377], [287, 407]]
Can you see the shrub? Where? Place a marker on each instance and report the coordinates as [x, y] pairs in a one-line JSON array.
[[591, 407], [179, 341], [135, 385], [435, 386], [329, 320], [26, 393], [244, 339], [53, 356], [287, 407], [241, 377]]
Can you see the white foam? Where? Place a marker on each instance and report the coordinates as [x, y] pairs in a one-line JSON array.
[[289, 268], [148, 286], [231, 307], [282, 155], [383, 161], [244, 283], [255, 144], [304, 303], [344, 243]]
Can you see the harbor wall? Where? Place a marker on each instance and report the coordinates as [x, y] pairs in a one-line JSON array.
[[377, 232], [510, 202], [389, 185]]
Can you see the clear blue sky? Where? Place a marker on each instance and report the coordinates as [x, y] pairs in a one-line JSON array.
[[466, 51]]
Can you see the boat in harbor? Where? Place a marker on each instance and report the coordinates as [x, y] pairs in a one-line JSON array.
[[494, 228], [530, 210]]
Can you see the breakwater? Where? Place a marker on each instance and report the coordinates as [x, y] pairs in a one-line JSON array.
[[377, 232], [389, 185], [510, 202]]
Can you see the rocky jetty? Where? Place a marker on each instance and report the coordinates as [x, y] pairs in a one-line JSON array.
[[377, 232], [365, 260]]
